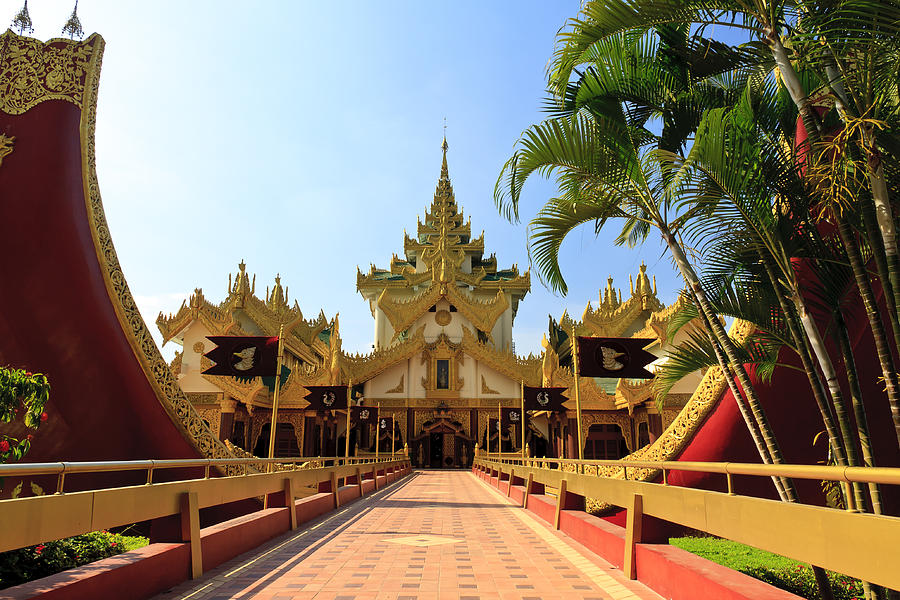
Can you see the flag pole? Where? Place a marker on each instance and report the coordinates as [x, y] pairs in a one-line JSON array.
[[499, 428], [275, 396], [577, 394], [522, 417], [347, 437]]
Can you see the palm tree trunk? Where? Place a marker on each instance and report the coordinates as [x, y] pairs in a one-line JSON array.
[[883, 267], [885, 358], [859, 410], [693, 282], [752, 427], [803, 344]]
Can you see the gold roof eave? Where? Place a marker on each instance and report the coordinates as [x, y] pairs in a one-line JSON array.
[[482, 314]]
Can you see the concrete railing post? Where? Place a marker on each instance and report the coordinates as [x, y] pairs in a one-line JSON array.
[[190, 531], [633, 521]]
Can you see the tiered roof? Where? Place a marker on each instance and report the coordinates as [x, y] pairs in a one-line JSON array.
[[243, 313], [435, 266]]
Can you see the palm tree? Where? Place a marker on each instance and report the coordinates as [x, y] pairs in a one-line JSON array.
[[842, 28]]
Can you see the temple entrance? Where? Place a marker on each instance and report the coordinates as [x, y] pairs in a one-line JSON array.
[[436, 454], [442, 444]]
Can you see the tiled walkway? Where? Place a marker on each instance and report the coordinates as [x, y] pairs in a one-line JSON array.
[[435, 534]]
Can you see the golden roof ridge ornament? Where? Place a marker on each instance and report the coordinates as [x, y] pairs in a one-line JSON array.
[[22, 21], [72, 28]]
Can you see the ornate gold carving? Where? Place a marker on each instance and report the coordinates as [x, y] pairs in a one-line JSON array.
[[503, 361], [420, 417], [630, 393], [362, 367], [397, 389], [607, 418], [175, 365], [301, 338], [549, 363], [204, 398], [6, 146], [485, 389], [32, 71], [442, 317], [442, 348], [199, 347]]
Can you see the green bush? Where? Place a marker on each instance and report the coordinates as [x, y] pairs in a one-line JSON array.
[[34, 562], [789, 575]]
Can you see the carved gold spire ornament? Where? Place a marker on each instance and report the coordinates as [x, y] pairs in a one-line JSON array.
[[72, 28], [22, 21], [6, 146]]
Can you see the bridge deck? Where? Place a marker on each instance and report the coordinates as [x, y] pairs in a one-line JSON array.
[[436, 534]]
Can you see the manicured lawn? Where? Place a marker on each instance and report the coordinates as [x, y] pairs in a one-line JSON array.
[[787, 574]]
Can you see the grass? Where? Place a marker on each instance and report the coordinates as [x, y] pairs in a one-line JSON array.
[[27, 564], [732, 554], [789, 575]]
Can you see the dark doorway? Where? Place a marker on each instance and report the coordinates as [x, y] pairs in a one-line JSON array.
[[285, 442], [436, 454]]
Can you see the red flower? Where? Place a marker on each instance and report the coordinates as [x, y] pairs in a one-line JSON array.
[[4, 446], [43, 417], [112, 543], [28, 374], [29, 437], [39, 548]]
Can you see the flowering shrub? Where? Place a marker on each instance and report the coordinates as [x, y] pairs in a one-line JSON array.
[[799, 580], [22, 396], [27, 564]]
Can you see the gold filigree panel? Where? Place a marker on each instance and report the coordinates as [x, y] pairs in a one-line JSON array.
[[32, 71]]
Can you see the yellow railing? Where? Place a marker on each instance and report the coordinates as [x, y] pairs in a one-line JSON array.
[[61, 469], [36, 519], [857, 544]]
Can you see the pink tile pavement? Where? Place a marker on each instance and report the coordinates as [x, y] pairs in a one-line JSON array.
[[435, 534]]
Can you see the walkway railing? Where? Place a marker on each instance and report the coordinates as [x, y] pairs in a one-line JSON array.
[[36, 519], [856, 544]]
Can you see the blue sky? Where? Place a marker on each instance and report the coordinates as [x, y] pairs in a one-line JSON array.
[[305, 137]]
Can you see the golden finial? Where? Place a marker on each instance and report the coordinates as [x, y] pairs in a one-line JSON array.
[[22, 21], [445, 173], [72, 28]]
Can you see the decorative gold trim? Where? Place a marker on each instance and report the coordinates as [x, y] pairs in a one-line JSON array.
[[485, 389], [6, 146], [397, 389]]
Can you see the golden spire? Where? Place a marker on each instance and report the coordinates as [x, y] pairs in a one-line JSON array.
[[445, 173]]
